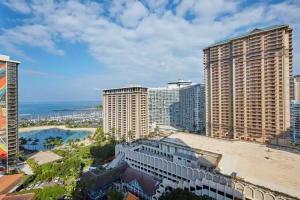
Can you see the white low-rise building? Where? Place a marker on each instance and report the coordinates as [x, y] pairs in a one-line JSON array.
[[180, 166]]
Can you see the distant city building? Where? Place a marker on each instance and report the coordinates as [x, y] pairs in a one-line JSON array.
[[164, 103], [192, 108], [248, 85], [125, 112], [9, 140], [295, 122], [297, 88]]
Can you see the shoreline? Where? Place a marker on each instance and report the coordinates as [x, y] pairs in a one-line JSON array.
[[63, 127]]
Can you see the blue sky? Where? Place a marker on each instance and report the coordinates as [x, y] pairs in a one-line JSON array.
[[71, 50]]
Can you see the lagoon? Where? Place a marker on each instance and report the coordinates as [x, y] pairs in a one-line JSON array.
[[43, 134]]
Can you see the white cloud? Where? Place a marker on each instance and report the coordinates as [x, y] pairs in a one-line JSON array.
[[133, 14], [30, 35], [155, 46], [17, 5]]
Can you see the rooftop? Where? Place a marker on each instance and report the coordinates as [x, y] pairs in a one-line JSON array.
[[44, 157], [147, 182], [253, 32], [181, 81], [125, 88], [130, 196], [255, 163], [7, 59], [28, 196], [99, 181], [8, 182]]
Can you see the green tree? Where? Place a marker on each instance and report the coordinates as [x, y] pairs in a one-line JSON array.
[[156, 130], [21, 155], [70, 187], [52, 142], [58, 141], [130, 136], [23, 141], [70, 142], [112, 132], [99, 107], [33, 164], [114, 195], [123, 138], [34, 143], [99, 135], [112, 140], [53, 192]]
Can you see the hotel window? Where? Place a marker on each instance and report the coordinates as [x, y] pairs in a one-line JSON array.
[[205, 187]]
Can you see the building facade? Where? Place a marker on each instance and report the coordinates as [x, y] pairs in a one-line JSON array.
[[248, 85], [176, 165], [164, 104], [192, 108], [125, 112], [9, 140], [295, 122], [297, 88]]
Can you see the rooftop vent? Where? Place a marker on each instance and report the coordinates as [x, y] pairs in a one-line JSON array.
[[255, 30]]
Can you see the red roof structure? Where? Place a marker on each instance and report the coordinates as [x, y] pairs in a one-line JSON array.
[[8, 182], [29, 196]]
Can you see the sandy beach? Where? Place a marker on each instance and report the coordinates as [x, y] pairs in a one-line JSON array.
[[60, 127]]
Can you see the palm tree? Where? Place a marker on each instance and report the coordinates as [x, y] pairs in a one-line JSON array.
[[123, 139], [77, 140], [57, 141], [130, 136], [36, 140], [51, 142], [23, 141], [90, 137], [46, 144], [113, 131], [156, 130], [34, 143], [70, 142]]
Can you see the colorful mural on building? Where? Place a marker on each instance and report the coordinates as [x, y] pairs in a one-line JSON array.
[[3, 135]]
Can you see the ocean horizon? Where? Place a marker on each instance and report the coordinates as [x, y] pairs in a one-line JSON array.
[[29, 110]]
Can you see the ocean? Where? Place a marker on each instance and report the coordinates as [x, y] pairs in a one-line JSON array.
[[45, 109]]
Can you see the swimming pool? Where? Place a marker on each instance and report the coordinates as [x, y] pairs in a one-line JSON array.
[[42, 135]]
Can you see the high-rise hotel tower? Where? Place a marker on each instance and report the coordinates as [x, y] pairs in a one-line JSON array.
[[248, 85], [9, 145], [164, 104], [297, 88], [125, 112]]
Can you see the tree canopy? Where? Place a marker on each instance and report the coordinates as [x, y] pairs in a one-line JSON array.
[[114, 195]]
